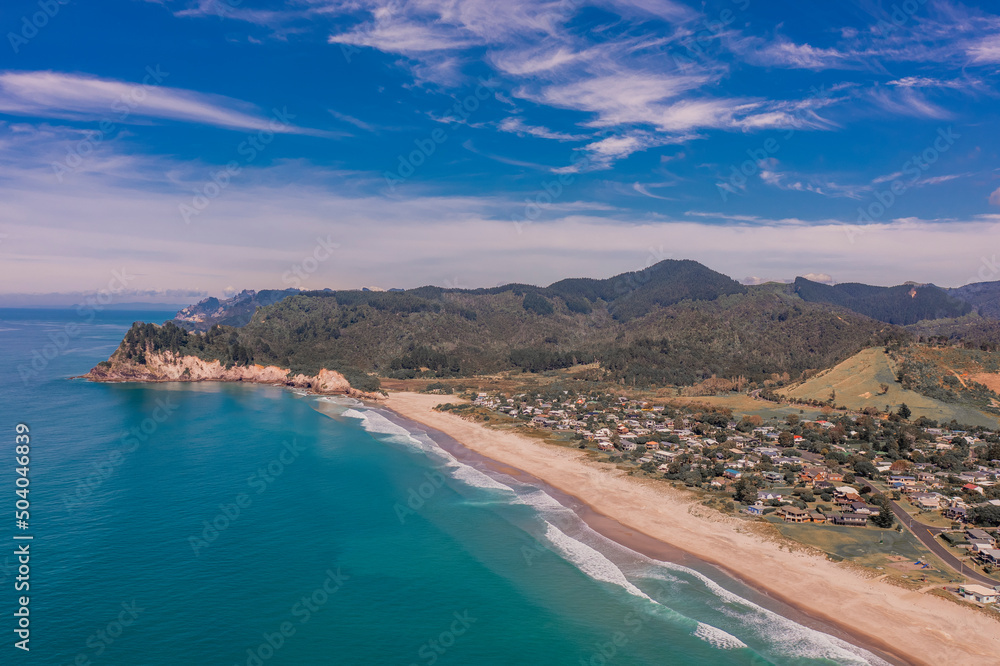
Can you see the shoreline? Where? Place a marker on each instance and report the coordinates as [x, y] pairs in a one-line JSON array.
[[899, 625], [651, 547]]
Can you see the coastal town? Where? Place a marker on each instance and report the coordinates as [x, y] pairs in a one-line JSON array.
[[836, 472]]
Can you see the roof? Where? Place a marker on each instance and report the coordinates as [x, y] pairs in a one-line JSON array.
[[980, 590]]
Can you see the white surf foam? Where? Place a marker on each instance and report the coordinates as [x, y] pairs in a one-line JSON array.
[[787, 636], [590, 561], [378, 424], [791, 638], [718, 638]]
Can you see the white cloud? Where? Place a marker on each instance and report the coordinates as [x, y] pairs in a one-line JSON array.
[[819, 277], [72, 235], [517, 126], [995, 197], [50, 94], [986, 50]]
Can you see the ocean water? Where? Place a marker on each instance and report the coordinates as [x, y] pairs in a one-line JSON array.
[[229, 524]]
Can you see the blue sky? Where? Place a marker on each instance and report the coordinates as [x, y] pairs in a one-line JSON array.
[[205, 145]]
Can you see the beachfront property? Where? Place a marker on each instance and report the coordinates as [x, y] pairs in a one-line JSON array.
[[792, 514], [852, 519], [978, 593], [808, 477]]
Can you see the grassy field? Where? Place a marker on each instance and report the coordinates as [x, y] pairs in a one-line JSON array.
[[857, 382], [886, 551], [741, 403]]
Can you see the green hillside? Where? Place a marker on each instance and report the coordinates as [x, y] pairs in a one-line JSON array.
[[869, 379], [680, 323]]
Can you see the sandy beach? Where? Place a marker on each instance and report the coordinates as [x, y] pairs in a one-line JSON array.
[[912, 627]]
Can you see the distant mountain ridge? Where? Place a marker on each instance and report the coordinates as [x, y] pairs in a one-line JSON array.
[[235, 311], [983, 296], [900, 305], [676, 322]]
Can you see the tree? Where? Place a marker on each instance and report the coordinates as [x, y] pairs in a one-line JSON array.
[[904, 411], [865, 468], [986, 516], [885, 519], [785, 438], [746, 491]]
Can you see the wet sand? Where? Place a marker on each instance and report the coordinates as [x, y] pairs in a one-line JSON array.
[[649, 517]]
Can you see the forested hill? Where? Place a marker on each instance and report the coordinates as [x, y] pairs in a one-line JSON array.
[[901, 305], [675, 323], [983, 296]]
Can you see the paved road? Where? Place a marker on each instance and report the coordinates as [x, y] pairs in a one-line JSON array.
[[928, 537]]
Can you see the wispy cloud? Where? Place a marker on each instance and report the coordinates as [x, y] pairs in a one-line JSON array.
[[80, 97], [986, 50], [517, 126]]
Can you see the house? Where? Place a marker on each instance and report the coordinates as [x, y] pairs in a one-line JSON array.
[[817, 517], [627, 445], [767, 496], [956, 512], [791, 514], [731, 474], [980, 535], [926, 501], [978, 593], [774, 477], [756, 509], [990, 555], [605, 445], [853, 519], [863, 509]]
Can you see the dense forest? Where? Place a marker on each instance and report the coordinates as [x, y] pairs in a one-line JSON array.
[[676, 323], [901, 305]]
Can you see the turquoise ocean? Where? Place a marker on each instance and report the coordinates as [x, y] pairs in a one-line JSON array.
[[228, 524]]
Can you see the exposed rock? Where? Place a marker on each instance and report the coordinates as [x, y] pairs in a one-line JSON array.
[[168, 367]]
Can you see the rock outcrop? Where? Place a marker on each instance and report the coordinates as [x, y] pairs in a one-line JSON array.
[[168, 367]]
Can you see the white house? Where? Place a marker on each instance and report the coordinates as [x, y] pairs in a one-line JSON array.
[[979, 593]]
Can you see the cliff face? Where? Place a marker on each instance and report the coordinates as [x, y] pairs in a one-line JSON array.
[[168, 367]]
